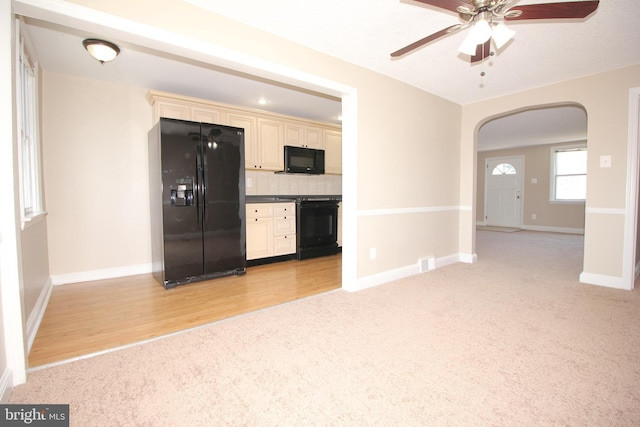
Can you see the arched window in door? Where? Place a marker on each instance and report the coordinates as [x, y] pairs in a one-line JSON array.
[[504, 169]]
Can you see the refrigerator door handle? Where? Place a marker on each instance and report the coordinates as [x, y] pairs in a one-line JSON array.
[[198, 180], [203, 175]]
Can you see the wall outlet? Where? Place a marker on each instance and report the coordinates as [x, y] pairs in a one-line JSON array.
[[534, 216], [372, 253], [605, 161], [249, 183]]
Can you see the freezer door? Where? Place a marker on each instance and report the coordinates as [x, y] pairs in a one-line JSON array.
[[181, 193], [224, 192]]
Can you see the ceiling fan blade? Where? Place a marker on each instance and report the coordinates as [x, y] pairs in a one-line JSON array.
[[482, 52], [426, 40], [451, 5], [575, 9]]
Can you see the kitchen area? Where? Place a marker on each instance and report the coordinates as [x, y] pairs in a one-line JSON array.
[[282, 193]]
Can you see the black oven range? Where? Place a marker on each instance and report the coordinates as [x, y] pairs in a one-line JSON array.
[[317, 226]]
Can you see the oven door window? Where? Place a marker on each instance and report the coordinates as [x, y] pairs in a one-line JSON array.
[[318, 226]]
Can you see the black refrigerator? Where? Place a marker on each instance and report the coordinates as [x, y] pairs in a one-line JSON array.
[[197, 196]]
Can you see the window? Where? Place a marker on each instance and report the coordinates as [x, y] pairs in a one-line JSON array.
[[28, 125], [569, 173], [504, 169]]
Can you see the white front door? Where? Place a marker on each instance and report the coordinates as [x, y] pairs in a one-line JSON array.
[[503, 191]]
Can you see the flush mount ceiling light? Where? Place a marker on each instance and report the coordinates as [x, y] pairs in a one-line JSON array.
[[101, 50], [484, 19]]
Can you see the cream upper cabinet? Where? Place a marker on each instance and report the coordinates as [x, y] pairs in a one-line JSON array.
[[205, 114], [249, 124], [175, 109], [171, 109], [333, 152], [265, 134], [270, 144], [293, 134], [313, 137], [302, 135]]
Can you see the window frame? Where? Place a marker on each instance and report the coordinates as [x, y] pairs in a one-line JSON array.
[[553, 174], [28, 129]]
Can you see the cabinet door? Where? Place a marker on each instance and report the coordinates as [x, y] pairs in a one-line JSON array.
[[285, 245], [206, 115], [284, 226], [259, 238], [333, 152], [293, 134], [313, 137], [270, 144], [172, 110], [248, 123]]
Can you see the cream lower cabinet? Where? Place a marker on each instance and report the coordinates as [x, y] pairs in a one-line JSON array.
[[259, 230], [284, 228], [271, 229]]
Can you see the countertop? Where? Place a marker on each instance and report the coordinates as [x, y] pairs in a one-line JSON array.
[[291, 198]]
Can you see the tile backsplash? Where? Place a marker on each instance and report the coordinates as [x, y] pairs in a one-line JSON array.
[[259, 183]]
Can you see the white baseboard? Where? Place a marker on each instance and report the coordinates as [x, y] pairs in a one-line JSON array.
[[33, 323], [6, 386], [407, 271], [567, 230], [603, 280], [107, 273]]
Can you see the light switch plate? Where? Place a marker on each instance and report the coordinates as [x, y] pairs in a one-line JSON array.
[[605, 161]]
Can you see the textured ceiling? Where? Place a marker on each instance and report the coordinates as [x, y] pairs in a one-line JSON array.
[[365, 32]]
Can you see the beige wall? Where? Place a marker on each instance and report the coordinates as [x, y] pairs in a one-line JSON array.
[[606, 99], [96, 175], [537, 162]]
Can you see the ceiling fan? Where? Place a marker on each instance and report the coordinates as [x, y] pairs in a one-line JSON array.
[[485, 16]]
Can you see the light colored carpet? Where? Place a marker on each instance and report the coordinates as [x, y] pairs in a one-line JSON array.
[[513, 340]]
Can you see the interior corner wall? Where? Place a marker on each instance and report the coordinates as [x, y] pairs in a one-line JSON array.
[[605, 97]]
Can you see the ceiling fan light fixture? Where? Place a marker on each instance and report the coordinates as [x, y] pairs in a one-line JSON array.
[[468, 46], [101, 50], [501, 34], [481, 31]]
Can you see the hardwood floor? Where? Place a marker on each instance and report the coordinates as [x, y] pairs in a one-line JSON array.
[[85, 318]]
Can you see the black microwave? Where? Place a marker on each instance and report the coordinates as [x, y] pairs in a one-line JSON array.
[[303, 160]]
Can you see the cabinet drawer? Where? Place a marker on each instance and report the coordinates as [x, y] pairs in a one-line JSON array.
[[259, 210], [285, 245], [284, 210], [282, 226]]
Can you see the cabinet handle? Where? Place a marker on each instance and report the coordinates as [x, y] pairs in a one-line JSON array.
[[256, 219]]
